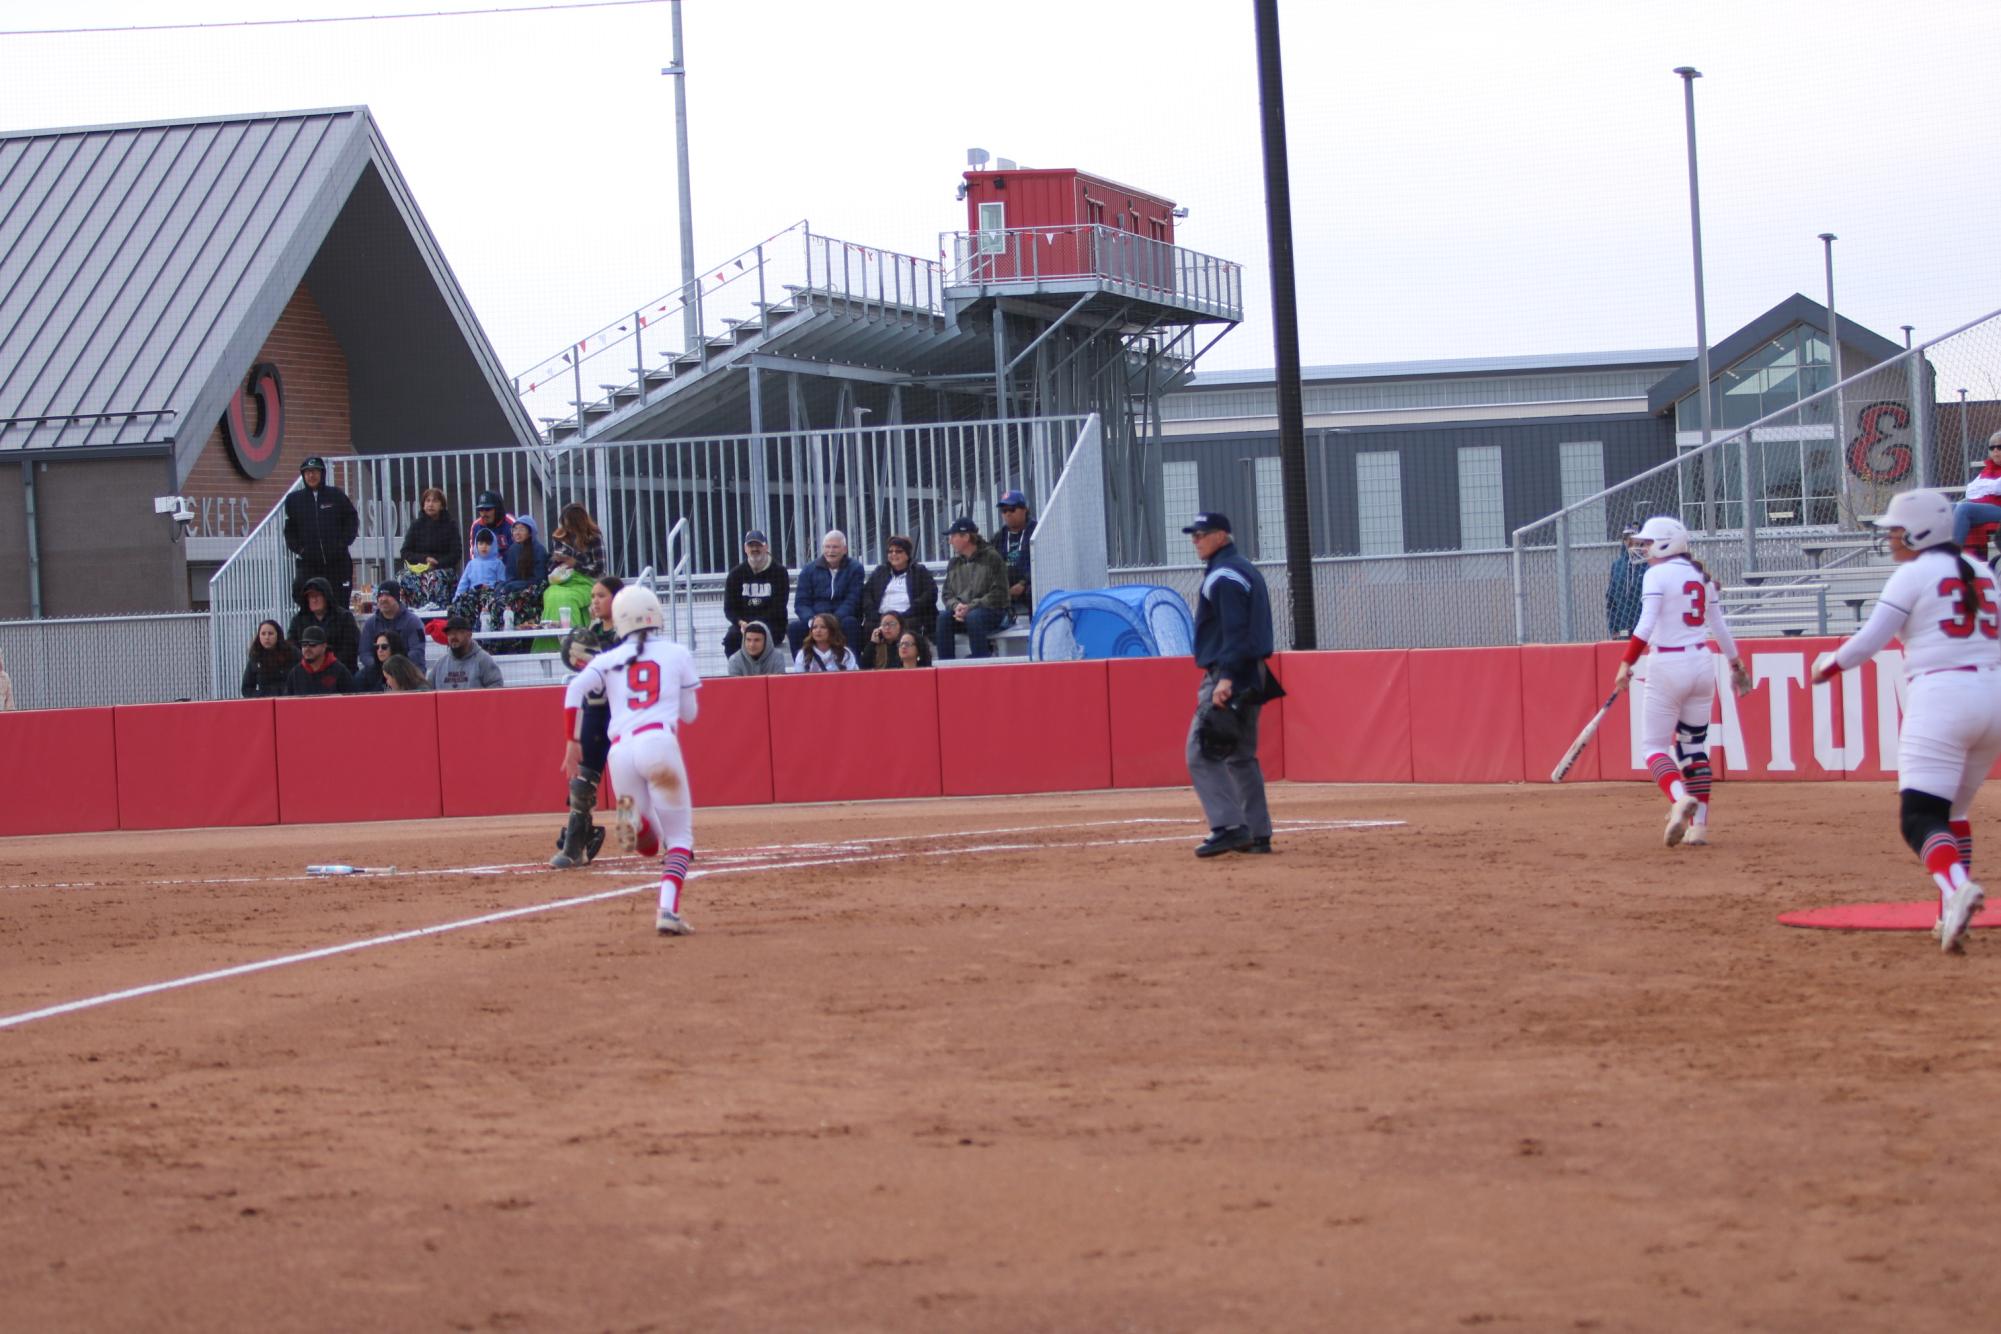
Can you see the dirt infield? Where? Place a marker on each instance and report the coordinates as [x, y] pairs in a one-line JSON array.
[[1027, 1064]]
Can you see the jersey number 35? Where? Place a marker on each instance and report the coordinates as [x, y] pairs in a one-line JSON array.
[[1968, 614]]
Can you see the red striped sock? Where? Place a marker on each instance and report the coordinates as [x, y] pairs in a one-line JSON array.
[[1962, 833], [1665, 773], [1941, 853], [673, 874]]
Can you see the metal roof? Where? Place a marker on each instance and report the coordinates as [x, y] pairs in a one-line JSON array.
[[1795, 309], [142, 267], [1536, 363]]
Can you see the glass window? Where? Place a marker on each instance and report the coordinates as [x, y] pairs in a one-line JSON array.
[[1482, 517], [993, 229], [1581, 465], [1271, 510], [1181, 500], [1379, 502]]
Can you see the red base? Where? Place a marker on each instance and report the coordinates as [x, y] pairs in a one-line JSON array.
[[1880, 917]]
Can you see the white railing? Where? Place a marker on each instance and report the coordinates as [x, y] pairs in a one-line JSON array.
[[1132, 265]]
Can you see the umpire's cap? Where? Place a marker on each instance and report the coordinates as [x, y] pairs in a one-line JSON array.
[[1209, 521]]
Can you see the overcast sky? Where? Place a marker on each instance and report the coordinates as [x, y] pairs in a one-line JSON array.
[[1469, 179]]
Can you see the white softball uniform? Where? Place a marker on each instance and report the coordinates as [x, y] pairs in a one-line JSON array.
[[1952, 660], [1680, 607], [651, 691]]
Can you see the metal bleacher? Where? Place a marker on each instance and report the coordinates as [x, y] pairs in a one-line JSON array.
[[1831, 595]]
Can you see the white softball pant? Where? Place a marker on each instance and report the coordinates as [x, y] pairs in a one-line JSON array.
[[1951, 735], [647, 766], [1681, 687]]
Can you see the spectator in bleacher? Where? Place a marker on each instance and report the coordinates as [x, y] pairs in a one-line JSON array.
[[432, 550], [758, 654], [1011, 539], [1622, 591], [400, 674], [1973, 519], [880, 651], [270, 662], [392, 618], [485, 569], [826, 648], [976, 596], [370, 679], [901, 585], [490, 513], [340, 634], [465, 665], [913, 650], [320, 526], [756, 590], [833, 585], [576, 559], [318, 671]]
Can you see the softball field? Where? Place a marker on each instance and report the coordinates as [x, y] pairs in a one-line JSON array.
[[1456, 1057]]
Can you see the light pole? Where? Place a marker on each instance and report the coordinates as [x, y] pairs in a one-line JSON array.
[[1840, 432], [691, 312], [1689, 74], [1909, 329]]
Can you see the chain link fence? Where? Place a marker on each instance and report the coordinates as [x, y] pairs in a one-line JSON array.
[[90, 662], [1812, 471]]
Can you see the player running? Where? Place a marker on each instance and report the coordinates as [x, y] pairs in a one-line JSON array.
[[649, 683], [1680, 607], [1940, 603]]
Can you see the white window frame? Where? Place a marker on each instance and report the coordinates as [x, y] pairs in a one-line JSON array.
[[993, 228], [1483, 504], [1379, 502]]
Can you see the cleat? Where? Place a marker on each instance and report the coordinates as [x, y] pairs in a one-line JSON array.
[[1225, 840], [1957, 917], [1679, 819], [1258, 845], [1696, 837], [562, 861], [672, 924], [628, 825]]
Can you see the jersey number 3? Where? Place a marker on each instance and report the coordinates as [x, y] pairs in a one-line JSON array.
[[642, 682], [1698, 602], [1969, 614]]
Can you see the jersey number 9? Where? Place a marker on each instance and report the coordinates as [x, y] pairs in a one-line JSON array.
[[642, 682]]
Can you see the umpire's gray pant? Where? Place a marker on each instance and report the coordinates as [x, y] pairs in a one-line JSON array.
[[1232, 791]]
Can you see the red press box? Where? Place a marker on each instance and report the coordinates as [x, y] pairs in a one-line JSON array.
[[500, 751], [1466, 715], [60, 775], [193, 766], [365, 757], [1347, 717], [728, 746], [851, 736], [1035, 727]]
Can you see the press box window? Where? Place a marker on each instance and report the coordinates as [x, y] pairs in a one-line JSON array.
[[993, 229]]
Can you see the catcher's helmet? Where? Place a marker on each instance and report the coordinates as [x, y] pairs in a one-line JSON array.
[[1925, 517], [635, 608], [1664, 537]]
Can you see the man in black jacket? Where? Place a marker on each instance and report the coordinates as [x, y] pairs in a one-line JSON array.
[[756, 590], [318, 672], [1233, 637], [320, 526]]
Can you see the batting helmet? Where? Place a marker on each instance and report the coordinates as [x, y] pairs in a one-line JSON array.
[[1664, 537], [1925, 517], [635, 608]]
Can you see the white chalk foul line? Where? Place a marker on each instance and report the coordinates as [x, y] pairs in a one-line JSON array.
[[555, 905]]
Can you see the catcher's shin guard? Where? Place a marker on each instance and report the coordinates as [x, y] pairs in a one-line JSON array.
[[577, 845]]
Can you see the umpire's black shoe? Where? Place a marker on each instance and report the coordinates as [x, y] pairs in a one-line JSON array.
[[1261, 844], [1226, 840]]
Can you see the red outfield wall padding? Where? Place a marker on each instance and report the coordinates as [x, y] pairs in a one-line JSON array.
[[363, 757], [728, 746], [1347, 717], [852, 736], [1466, 715], [195, 766], [1151, 702], [1560, 692], [500, 751], [60, 772], [1038, 727]]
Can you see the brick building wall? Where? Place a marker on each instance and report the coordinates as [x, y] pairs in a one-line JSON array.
[[313, 370]]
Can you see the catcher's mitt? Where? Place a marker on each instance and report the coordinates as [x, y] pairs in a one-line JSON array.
[[1219, 732]]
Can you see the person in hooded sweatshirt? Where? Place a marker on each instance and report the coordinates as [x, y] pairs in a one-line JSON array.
[[271, 660], [343, 636], [480, 584], [756, 590], [758, 655]]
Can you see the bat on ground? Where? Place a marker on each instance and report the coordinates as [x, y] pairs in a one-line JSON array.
[[1584, 737]]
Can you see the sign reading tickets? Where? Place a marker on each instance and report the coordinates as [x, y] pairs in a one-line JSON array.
[[255, 450]]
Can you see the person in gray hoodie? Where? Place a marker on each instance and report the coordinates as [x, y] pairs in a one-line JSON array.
[[758, 656], [466, 666]]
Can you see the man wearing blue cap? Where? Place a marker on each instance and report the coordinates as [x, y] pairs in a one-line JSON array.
[[1011, 539], [1233, 637]]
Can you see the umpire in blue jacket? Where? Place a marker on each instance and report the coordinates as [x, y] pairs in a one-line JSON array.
[[1232, 640]]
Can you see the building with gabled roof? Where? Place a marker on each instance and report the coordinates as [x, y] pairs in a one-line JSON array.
[[190, 308]]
